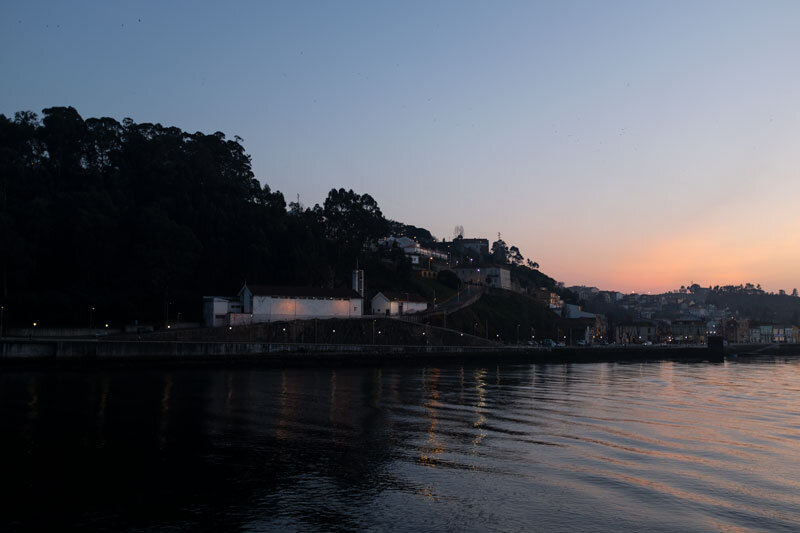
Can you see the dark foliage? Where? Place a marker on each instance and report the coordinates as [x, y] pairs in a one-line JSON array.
[[449, 278], [135, 219], [398, 229]]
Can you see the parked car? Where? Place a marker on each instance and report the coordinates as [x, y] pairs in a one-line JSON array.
[[549, 343]]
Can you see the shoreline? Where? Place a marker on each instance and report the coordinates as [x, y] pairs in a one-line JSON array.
[[50, 352]]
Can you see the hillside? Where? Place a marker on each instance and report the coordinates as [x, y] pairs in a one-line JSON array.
[[502, 312], [103, 222]]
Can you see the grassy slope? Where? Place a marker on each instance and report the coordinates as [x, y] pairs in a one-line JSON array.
[[503, 310]]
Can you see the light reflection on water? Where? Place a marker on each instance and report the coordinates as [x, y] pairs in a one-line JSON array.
[[662, 446]]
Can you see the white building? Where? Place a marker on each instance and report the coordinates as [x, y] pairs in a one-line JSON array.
[[575, 311], [397, 303], [493, 276], [413, 249], [216, 310], [498, 277], [262, 303]]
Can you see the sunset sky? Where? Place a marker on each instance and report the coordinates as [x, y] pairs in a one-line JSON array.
[[628, 145]]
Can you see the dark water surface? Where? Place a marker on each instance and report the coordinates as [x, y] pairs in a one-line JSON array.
[[656, 446]]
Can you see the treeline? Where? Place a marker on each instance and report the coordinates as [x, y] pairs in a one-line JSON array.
[[114, 222]]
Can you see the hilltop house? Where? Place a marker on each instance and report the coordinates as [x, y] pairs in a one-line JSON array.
[[412, 249], [477, 247], [493, 276], [397, 303]]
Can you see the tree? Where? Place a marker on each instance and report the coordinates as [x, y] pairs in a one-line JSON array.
[[126, 217], [458, 232], [533, 265], [500, 252], [514, 256], [449, 279], [353, 220], [794, 293]]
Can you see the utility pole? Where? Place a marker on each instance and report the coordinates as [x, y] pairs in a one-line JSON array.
[[487, 329]]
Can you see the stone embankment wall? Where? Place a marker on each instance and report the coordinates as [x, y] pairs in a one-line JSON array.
[[76, 350], [379, 331]]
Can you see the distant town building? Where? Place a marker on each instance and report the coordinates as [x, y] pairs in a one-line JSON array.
[[785, 334], [689, 331], [575, 311], [736, 330], [586, 330], [547, 297], [413, 249], [478, 247], [637, 332], [492, 276], [584, 292], [398, 303]]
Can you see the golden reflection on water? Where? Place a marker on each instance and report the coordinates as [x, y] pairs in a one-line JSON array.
[[430, 397], [480, 407], [285, 412], [717, 442]]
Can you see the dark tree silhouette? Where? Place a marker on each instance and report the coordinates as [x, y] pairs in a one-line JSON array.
[[134, 219]]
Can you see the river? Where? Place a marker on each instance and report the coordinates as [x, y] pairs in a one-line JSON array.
[[658, 446]]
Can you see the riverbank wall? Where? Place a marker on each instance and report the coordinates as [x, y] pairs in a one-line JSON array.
[[72, 351]]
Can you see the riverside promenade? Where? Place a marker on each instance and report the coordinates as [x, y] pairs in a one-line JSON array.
[[71, 351]]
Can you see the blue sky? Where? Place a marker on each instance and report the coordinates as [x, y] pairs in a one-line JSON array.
[[630, 145]]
